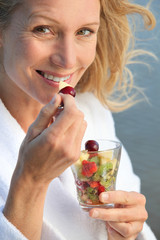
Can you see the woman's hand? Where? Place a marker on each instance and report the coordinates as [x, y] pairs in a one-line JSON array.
[[126, 219], [48, 150]]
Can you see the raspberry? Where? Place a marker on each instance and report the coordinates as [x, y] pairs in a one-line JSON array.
[[88, 168]]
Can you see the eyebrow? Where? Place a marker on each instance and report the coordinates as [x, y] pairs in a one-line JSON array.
[[53, 20]]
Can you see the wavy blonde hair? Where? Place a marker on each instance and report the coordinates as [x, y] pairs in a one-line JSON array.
[[108, 77]]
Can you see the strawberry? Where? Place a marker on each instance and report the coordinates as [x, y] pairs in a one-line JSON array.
[[88, 168], [101, 189], [94, 184]]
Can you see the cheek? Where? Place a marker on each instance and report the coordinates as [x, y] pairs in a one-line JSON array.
[[88, 54], [20, 57], [18, 54], [29, 52]]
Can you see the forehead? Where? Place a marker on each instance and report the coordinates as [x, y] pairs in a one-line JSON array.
[[77, 11]]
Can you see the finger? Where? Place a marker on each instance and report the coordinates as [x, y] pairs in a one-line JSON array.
[[73, 138], [113, 235], [127, 230], [67, 117], [122, 198], [44, 118], [136, 213], [77, 129], [81, 134], [76, 133]]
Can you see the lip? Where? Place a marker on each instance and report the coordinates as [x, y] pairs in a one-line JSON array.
[[51, 82]]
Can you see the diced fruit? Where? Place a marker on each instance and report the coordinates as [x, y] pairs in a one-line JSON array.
[[95, 172], [82, 185], [84, 156], [95, 159], [107, 184], [63, 85], [94, 184], [105, 157], [104, 160], [104, 169], [91, 145], [80, 176], [96, 177], [88, 168], [101, 189], [84, 198], [107, 154], [92, 194]]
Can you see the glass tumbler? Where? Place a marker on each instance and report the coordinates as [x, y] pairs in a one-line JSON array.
[[95, 172]]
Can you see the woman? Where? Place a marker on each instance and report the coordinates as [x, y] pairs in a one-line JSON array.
[[83, 43]]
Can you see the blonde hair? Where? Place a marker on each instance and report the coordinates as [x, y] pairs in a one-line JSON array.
[[108, 77]]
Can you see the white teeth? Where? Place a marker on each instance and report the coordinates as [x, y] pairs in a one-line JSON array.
[[56, 79]]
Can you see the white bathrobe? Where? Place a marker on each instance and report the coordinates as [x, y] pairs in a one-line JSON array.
[[63, 218]]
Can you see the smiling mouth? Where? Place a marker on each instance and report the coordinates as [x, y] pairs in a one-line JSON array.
[[52, 77]]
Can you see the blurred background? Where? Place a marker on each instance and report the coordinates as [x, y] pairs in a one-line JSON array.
[[139, 127]]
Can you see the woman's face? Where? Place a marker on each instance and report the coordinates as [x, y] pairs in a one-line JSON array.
[[49, 41]]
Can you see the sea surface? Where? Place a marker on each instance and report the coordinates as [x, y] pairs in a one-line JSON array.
[[139, 127]]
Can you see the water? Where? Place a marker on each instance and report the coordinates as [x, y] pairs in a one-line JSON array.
[[139, 127]]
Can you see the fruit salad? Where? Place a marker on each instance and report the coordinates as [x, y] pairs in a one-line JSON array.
[[95, 172]]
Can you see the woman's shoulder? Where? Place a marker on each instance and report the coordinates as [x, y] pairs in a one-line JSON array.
[[89, 101]]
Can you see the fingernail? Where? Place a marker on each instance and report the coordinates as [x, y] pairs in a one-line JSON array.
[[95, 214], [105, 197]]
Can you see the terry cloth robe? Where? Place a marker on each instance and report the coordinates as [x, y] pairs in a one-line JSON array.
[[63, 217]]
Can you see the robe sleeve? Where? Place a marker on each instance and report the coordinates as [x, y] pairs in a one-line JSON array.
[[7, 230]]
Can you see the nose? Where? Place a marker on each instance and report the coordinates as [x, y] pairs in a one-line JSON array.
[[64, 53]]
